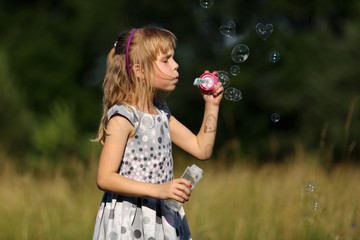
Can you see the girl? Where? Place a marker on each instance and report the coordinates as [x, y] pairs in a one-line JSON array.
[[136, 167]]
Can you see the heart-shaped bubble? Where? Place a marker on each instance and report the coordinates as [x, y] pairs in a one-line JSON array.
[[264, 31], [229, 29]]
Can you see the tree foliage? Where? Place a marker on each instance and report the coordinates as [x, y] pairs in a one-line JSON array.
[[53, 56]]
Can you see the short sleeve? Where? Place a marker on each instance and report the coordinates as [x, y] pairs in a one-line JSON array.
[[123, 111], [164, 108]]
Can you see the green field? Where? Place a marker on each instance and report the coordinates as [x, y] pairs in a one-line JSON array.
[[231, 202]]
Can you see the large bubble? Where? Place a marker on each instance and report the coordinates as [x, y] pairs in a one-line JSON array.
[[232, 94], [223, 77], [240, 53]]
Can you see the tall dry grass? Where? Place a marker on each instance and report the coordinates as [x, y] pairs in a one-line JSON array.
[[231, 202], [271, 203]]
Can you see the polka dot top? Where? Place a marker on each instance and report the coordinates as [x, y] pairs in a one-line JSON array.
[[148, 154]]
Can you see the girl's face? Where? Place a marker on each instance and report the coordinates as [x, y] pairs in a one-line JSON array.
[[166, 75]]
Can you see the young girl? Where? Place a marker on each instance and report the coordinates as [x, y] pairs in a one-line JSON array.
[[136, 166]]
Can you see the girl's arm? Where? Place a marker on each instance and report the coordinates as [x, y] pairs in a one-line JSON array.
[[200, 145], [119, 129]]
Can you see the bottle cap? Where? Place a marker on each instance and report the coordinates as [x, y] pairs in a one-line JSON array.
[[196, 169]]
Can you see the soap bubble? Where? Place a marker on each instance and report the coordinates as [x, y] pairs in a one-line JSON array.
[[311, 186], [275, 117], [222, 72], [274, 56], [316, 205], [229, 29], [264, 31], [206, 3], [232, 94], [240, 53], [235, 70], [223, 77]]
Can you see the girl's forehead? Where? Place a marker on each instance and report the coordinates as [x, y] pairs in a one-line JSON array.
[[170, 52]]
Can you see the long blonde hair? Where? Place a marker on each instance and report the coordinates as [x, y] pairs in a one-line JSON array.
[[121, 88]]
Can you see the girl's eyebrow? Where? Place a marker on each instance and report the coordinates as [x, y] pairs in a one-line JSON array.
[[168, 55]]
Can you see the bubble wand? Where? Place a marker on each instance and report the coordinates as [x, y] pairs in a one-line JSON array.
[[206, 82]]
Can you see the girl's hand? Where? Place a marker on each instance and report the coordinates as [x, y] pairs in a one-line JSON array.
[[216, 95], [177, 189]]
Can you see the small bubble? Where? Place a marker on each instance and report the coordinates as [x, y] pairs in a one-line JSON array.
[[235, 70], [206, 3], [223, 77], [232, 94], [240, 53], [316, 205], [275, 117], [274, 56], [311, 186]]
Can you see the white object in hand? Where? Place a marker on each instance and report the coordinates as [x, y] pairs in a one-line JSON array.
[[193, 174]]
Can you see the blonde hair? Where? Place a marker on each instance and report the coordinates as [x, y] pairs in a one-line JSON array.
[[121, 88]]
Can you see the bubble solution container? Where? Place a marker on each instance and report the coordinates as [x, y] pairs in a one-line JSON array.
[[210, 81], [193, 174]]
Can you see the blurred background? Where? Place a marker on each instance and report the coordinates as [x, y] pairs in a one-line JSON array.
[[52, 64]]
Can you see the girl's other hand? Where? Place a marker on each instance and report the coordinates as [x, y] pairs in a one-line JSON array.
[[178, 189]]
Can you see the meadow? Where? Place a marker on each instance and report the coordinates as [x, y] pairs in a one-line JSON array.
[[233, 201]]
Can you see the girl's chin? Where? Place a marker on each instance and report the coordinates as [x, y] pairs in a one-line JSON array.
[[169, 89]]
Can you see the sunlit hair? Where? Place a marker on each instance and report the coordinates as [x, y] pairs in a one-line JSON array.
[[119, 88]]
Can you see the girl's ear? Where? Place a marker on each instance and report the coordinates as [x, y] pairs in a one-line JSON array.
[[138, 71]]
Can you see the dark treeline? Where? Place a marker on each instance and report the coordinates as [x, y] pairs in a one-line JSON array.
[[53, 56]]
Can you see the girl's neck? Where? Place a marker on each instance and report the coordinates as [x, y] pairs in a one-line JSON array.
[[146, 107]]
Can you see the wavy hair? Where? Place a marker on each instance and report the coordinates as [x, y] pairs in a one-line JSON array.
[[119, 87]]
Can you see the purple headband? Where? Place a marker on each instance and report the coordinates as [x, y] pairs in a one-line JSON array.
[[127, 51]]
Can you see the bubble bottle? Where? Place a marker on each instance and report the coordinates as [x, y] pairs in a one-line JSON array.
[[193, 174], [206, 82]]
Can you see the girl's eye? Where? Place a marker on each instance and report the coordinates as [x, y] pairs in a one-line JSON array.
[[165, 60]]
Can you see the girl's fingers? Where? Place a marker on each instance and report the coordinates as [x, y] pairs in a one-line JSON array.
[[185, 190], [182, 196], [185, 182], [218, 89]]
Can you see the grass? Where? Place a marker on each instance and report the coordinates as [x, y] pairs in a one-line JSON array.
[[231, 202]]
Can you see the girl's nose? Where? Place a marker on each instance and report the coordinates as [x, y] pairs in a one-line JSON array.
[[176, 66]]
